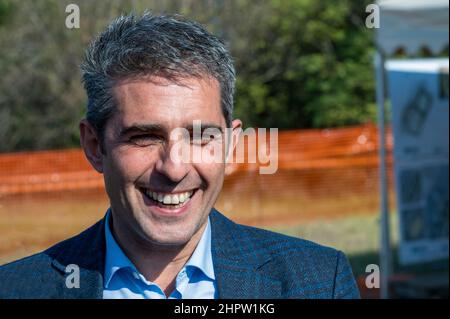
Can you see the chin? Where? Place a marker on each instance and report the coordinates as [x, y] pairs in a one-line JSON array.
[[168, 231], [169, 235], [165, 240]]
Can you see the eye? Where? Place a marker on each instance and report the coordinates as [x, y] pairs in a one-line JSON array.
[[204, 139], [201, 140], [144, 139]]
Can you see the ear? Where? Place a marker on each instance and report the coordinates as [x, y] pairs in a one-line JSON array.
[[91, 145], [236, 129]]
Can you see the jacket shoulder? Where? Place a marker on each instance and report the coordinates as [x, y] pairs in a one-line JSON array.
[[281, 246], [38, 275], [306, 269], [27, 277]]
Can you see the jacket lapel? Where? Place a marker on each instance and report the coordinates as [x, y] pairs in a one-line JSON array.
[[238, 263], [87, 251]]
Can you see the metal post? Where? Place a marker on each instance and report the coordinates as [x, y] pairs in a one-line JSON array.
[[385, 247]]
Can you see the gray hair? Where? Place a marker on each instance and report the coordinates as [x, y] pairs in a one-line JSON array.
[[166, 46]]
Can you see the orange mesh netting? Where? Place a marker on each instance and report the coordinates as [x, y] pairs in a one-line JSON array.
[[329, 149], [321, 172]]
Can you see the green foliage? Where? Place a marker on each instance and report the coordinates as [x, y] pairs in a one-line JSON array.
[[309, 65], [300, 63], [5, 9]]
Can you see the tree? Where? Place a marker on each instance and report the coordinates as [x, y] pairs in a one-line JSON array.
[[300, 63], [307, 63]]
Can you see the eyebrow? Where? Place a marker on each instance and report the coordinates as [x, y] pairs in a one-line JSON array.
[[151, 127], [140, 128]]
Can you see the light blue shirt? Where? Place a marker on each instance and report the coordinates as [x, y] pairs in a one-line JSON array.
[[122, 280]]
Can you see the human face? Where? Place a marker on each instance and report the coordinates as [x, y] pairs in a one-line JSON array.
[[137, 158]]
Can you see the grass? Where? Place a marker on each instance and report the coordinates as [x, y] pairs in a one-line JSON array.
[[357, 236]]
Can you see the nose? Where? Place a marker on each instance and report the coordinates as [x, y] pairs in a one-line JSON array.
[[174, 169]]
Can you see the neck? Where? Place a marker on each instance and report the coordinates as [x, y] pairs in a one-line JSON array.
[[157, 263]]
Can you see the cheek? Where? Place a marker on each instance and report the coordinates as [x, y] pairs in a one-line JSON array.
[[129, 164], [214, 152], [213, 174]]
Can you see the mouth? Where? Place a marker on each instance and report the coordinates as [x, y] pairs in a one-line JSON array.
[[172, 202]]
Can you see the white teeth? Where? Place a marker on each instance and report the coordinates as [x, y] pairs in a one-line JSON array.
[[169, 199], [175, 199]]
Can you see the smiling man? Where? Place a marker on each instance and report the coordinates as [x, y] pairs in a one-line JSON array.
[[147, 77]]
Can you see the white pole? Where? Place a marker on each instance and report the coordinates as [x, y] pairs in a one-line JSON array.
[[385, 248]]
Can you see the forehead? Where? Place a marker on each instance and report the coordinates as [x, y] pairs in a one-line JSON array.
[[167, 104]]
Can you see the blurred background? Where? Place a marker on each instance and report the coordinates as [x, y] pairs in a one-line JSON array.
[[305, 67]]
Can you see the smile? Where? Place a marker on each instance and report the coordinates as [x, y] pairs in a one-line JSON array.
[[168, 200]]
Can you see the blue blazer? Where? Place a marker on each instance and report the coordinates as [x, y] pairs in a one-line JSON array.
[[248, 263]]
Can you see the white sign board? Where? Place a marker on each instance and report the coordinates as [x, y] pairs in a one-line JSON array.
[[419, 95]]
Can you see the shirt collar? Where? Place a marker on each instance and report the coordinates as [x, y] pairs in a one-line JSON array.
[[116, 259], [201, 258]]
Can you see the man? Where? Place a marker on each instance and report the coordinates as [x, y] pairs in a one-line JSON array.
[[147, 77]]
